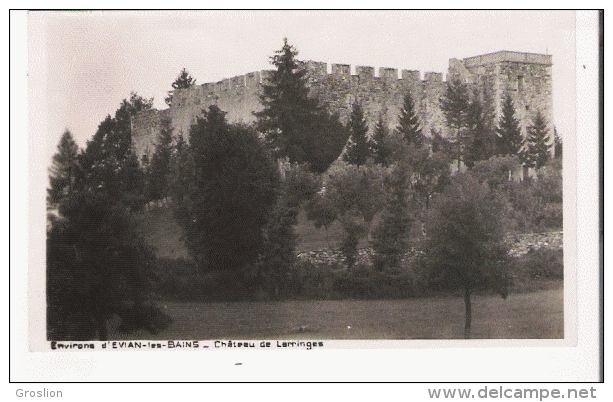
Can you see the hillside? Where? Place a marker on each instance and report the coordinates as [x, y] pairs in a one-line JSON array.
[[162, 232]]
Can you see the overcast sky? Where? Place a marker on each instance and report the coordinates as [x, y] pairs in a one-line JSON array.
[[85, 63]]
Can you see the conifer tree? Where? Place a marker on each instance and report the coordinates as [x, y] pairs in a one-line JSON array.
[[278, 252], [408, 122], [480, 143], [63, 171], [391, 238], [98, 266], [538, 146], [455, 105], [294, 124], [108, 162], [510, 139], [358, 150], [183, 80], [378, 146], [226, 206]]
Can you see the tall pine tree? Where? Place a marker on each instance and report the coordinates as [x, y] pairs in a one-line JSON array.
[[481, 138], [455, 105], [358, 150], [538, 142], [294, 125], [510, 139], [63, 171], [378, 143], [391, 238], [408, 122]]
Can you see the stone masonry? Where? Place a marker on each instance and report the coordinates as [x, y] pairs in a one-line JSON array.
[[526, 76]]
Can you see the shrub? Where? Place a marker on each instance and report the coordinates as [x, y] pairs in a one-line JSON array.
[[312, 281], [544, 263], [182, 280], [366, 283]]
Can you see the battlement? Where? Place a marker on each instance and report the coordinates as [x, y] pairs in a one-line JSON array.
[[315, 69], [433, 77], [507, 56], [525, 76]]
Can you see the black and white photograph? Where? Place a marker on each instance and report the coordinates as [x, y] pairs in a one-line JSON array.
[[302, 179]]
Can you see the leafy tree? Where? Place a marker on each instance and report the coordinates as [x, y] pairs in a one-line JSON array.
[[432, 173], [299, 184], [539, 149], [183, 80], [294, 125], [63, 171], [358, 190], [159, 169], [97, 267], [227, 205], [510, 139], [429, 169], [391, 237], [358, 149], [496, 172], [408, 122], [378, 146], [466, 248]]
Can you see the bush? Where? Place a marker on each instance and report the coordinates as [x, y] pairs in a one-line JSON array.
[[312, 281], [544, 263], [365, 283], [182, 280]]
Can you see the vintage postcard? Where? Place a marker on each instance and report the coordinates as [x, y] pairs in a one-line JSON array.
[[303, 181]]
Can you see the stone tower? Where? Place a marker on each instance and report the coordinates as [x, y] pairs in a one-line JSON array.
[[525, 76]]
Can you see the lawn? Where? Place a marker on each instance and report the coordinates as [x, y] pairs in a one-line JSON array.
[[537, 315]]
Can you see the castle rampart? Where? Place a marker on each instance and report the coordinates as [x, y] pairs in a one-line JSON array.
[[526, 76]]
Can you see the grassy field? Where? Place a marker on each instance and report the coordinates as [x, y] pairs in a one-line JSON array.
[[536, 315]]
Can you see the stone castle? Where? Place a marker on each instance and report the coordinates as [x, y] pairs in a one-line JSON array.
[[526, 76]]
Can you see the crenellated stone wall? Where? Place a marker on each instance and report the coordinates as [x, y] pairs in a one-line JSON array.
[[526, 76]]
